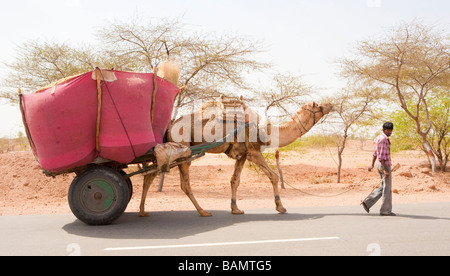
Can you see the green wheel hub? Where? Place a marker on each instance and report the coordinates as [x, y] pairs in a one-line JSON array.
[[98, 195]]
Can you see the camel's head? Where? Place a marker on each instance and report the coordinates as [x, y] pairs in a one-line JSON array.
[[327, 108], [319, 110]]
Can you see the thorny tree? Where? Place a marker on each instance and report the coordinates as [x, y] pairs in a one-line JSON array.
[[209, 63], [353, 106], [38, 64], [408, 63], [289, 92]]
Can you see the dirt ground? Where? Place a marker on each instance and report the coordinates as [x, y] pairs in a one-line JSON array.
[[24, 190]]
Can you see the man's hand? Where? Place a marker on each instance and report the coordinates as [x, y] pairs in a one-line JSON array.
[[374, 158]]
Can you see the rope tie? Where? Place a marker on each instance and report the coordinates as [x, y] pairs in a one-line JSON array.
[[117, 111]]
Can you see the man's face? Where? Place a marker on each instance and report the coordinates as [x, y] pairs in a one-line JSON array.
[[388, 132]]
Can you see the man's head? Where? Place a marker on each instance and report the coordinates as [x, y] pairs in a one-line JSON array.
[[388, 128]]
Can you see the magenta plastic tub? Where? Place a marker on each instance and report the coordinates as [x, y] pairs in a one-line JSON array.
[[61, 120]]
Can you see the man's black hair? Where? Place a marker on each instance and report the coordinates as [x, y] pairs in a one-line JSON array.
[[388, 125]]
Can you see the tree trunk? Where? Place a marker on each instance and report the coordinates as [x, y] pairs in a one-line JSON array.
[[340, 151], [430, 154], [339, 167]]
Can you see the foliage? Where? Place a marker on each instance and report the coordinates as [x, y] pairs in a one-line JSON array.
[[289, 92], [353, 106], [404, 137], [13, 144], [439, 135], [209, 63], [311, 141], [409, 64], [38, 64]]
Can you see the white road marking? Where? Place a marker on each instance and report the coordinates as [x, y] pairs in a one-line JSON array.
[[217, 244]]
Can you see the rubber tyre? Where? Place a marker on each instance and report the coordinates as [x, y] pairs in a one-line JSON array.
[[99, 196]]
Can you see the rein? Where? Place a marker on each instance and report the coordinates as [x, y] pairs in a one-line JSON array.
[[298, 122]]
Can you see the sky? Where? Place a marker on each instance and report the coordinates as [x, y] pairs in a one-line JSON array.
[[302, 37]]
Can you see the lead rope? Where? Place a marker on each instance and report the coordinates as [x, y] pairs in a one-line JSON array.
[[315, 195]]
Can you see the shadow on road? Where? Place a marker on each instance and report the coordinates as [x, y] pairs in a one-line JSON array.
[[179, 224], [173, 225]]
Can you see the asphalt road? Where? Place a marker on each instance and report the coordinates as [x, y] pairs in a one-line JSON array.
[[419, 229]]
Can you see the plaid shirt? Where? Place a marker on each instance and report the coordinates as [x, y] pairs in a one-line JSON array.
[[383, 149]]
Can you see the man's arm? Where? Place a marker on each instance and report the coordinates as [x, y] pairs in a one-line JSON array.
[[373, 162], [383, 153], [383, 163]]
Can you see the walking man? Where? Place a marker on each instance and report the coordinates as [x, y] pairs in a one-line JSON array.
[[384, 165]]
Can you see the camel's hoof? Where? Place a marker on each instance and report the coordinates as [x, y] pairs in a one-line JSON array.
[[237, 212], [205, 214], [143, 214], [282, 210]]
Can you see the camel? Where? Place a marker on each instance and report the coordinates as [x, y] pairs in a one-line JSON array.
[[241, 151], [212, 121]]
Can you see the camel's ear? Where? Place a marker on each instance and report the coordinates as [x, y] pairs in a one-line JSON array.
[[314, 105]]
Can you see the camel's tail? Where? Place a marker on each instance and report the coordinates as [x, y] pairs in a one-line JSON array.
[[170, 70]]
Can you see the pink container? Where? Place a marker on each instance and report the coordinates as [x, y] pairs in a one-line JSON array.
[[163, 108], [62, 123], [62, 120]]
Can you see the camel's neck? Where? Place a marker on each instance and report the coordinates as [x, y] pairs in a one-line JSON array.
[[298, 126]]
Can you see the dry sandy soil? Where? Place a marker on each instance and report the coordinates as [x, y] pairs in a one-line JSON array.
[[24, 190]]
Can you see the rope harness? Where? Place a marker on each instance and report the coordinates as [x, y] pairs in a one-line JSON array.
[[99, 73], [299, 123]]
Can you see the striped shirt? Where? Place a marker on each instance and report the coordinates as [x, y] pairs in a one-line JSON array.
[[383, 149]]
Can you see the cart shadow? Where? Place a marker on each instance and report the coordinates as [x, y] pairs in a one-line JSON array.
[[179, 224], [173, 225]]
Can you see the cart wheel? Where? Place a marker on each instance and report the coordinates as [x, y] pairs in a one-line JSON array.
[[99, 196]]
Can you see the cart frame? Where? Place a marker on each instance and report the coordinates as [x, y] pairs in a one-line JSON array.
[[101, 191]]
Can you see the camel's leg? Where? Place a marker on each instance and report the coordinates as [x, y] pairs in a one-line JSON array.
[[258, 159], [186, 187], [148, 179], [235, 180]]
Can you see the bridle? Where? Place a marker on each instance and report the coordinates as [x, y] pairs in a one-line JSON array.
[[315, 112], [297, 120]]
